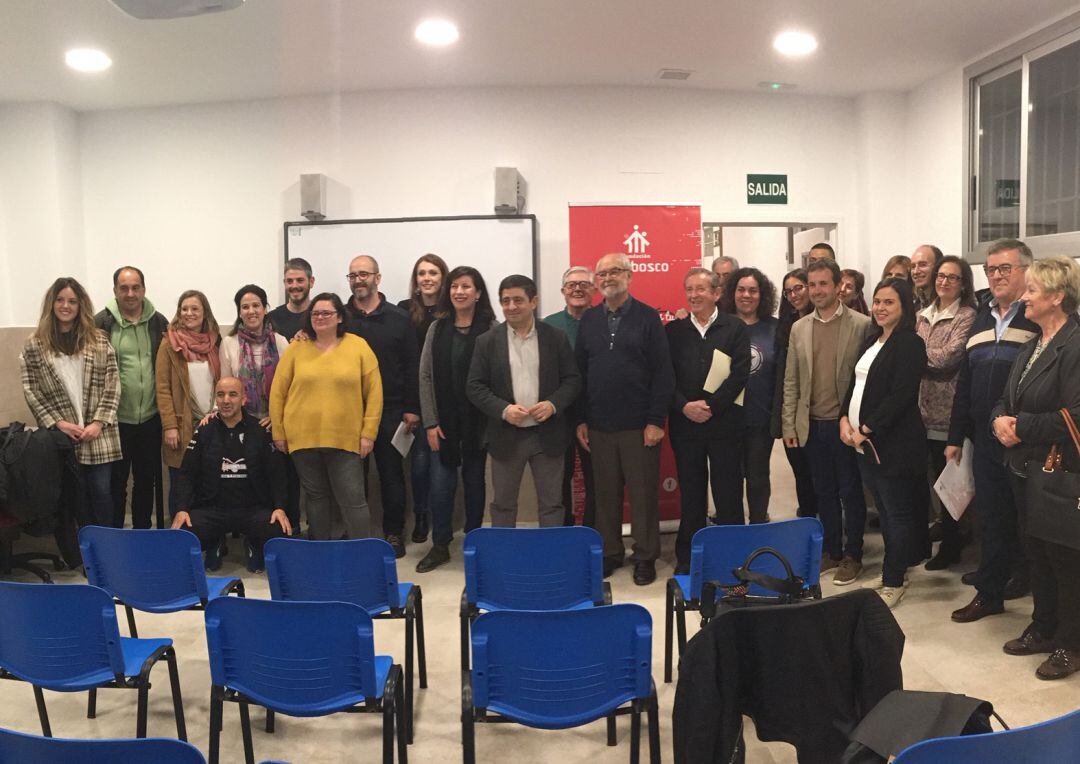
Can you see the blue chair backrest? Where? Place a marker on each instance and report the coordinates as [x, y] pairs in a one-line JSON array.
[[533, 568], [558, 669], [52, 634], [147, 569], [1057, 740], [717, 550], [360, 571], [301, 658], [31, 749]]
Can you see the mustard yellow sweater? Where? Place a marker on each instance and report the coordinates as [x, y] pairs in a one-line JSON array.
[[326, 400]]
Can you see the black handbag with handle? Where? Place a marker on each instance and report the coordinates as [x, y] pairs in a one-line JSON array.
[[1053, 493], [788, 589]]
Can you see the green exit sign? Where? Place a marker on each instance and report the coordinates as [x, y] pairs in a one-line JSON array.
[[766, 189]]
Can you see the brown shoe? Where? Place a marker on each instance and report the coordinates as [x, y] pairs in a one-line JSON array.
[[1059, 665], [827, 563], [847, 571], [1030, 642], [976, 609]]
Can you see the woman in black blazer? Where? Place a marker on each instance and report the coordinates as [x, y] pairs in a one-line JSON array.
[[1045, 378], [880, 419]]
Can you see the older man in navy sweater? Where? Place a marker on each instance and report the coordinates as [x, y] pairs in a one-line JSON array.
[[622, 352]]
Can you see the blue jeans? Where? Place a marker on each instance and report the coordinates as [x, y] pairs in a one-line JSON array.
[[97, 479], [444, 486], [895, 498], [420, 471], [838, 489]]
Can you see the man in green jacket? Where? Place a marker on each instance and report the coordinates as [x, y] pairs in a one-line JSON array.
[[135, 330]]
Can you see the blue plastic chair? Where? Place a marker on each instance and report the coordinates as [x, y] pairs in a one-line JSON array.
[[360, 571], [156, 571], [1057, 740], [300, 659], [530, 569], [31, 749], [64, 637], [561, 669], [716, 551]]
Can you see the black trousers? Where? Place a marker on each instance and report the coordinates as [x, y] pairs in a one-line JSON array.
[[211, 523], [756, 454], [391, 466], [716, 460], [141, 446], [804, 482], [589, 519], [1002, 553], [1055, 581]]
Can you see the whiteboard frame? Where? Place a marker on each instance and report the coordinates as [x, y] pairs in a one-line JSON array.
[[424, 219]]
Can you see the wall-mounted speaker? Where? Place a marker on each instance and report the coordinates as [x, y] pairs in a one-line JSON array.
[[509, 191], [313, 196]]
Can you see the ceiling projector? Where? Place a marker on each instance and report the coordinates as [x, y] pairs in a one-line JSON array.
[[174, 9]]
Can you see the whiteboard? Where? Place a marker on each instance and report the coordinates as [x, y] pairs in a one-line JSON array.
[[497, 246]]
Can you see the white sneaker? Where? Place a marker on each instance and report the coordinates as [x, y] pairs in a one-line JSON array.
[[891, 595]]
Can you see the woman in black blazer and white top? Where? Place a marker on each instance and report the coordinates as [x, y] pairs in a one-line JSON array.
[[880, 419]]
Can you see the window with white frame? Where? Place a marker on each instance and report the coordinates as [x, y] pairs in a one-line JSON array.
[[1025, 146]]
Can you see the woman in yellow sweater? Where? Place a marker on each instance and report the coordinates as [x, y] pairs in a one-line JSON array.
[[325, 407]]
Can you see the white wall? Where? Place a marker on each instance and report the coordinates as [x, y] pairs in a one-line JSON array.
[[41, 219], [764, 248], [196, 195]]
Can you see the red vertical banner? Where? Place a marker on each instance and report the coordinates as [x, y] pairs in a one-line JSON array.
[[663, 242]]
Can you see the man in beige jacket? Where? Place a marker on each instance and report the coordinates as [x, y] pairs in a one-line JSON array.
[[825, 346]]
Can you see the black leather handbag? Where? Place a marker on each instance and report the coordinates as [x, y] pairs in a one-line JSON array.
[[1053, 493], [788, 589]]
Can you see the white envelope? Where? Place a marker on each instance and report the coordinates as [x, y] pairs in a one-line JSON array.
[[956, 484]]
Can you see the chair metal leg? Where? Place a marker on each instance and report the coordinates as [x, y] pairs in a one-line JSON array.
[[409, 631], [43, 715], [177, 698], [388, 729], [132, 631], [144, 698], [611, 740], [270, 721], [468, 725], [245, 728], [216, 704], [669, 617], [464, 641], [680, 623], [635, 732], [402, 739], [91, 703], [654, 728], [421, 652]]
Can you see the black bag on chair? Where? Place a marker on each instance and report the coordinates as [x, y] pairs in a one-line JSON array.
[[1053, 493], [789, 588]]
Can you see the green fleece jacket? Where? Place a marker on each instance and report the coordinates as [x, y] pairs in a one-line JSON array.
[[135, 357]]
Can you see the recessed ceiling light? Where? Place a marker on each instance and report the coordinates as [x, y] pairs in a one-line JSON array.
[[775, 86], [795, 43], [87, 60], [437, 32]]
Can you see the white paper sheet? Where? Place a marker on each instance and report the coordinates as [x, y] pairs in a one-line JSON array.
[[956, 484], [402, 440]]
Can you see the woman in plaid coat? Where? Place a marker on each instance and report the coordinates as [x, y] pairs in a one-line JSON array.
[[71, 382]]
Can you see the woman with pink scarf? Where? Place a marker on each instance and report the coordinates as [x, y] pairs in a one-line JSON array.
[[187, 368], [252, 350]]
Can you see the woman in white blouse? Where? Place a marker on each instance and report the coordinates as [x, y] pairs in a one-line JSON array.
[[71, 383], [187, 368]]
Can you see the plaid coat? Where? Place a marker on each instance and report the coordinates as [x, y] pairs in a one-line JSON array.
[[49, 402]]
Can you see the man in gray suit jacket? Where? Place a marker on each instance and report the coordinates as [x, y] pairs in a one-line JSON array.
[[524, 378], [822, 354]]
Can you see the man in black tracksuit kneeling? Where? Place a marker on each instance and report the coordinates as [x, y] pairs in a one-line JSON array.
[[232, 479]]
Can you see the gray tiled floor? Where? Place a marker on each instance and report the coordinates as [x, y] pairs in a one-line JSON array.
[[939, 655]]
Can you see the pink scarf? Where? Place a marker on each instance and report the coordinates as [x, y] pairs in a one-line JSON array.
[[197, 346]]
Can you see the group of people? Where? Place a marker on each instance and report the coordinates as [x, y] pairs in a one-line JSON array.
[[865, 394]]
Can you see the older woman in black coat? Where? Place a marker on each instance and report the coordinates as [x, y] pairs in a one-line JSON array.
[[1045, 378]]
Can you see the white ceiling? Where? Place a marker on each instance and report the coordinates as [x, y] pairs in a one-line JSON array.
[[272, 48]]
